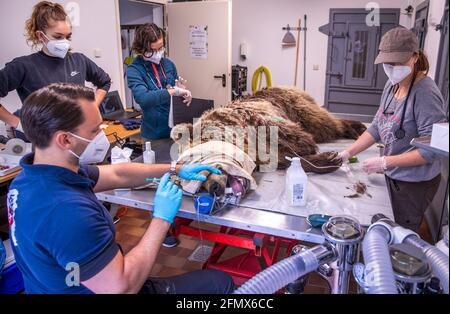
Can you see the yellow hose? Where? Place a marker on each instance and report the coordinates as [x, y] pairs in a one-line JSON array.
[[257, 78]]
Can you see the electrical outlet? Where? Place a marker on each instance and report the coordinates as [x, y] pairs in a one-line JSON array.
[[97, 53]]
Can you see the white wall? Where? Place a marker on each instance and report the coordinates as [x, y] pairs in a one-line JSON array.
[[98, 29], [259, 23]]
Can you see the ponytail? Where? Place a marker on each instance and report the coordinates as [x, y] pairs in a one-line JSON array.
[[43, 14], [422, 64]]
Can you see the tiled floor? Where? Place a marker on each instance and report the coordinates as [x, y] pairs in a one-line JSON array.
[[174, 261], [170, 261]]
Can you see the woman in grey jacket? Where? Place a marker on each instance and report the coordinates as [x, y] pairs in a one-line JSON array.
[[410, 104]]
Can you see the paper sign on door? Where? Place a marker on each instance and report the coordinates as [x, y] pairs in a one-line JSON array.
[[198, 41]]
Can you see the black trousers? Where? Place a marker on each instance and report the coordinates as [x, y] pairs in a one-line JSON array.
[[410, 200], [208, 281]]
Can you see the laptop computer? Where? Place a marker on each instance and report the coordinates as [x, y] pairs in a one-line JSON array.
[[184, 114], [112, 108]]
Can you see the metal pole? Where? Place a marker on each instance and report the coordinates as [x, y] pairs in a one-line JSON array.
[[298, 51], [304, 55]]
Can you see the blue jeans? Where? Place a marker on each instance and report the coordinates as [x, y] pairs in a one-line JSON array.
[[208, 281]]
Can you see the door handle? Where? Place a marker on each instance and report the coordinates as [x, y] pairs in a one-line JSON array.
[[338, 74], [223, 77]]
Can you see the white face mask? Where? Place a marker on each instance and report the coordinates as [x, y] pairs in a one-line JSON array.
[[156, 57], [58, 48], [396, 73], [96, 150]]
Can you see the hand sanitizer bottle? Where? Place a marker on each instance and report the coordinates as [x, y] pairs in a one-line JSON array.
[[149, 155], [296, 183]]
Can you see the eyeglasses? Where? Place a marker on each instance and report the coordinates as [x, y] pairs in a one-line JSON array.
[[153, 52]]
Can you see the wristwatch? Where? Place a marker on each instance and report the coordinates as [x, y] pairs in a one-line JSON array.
[[173, 168]]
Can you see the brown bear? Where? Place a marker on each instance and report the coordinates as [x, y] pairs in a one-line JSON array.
[[301, 123]]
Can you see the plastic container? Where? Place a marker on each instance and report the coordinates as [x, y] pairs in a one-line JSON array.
[[296, 183], [204, 203], [149, 154], [9, 164]]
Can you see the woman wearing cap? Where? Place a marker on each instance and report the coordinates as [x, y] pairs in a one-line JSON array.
[[50, 28], [410, 104], [153, 80]]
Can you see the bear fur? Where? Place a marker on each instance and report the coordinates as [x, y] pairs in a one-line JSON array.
[[300, 120]]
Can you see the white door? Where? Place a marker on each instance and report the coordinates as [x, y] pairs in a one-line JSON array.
[[207, 70]]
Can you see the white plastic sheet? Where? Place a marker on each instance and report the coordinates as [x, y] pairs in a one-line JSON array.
[[326, 192]]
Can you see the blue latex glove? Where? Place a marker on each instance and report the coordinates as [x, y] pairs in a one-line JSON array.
[[131, 121], [167, 199], [190, 172], [131, 124]]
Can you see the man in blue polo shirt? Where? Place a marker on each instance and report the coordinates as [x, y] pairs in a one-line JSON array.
[[63, 237]]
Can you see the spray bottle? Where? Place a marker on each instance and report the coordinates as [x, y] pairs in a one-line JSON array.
[[149, 155], [296, 183]]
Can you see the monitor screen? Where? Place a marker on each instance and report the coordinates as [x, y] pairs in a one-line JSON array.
[[111, 103], [182, 113]]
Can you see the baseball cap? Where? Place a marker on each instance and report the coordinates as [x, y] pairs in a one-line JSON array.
[[397, 46]]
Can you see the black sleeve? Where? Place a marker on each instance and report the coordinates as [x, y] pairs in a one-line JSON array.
[[96, 75], [93, 173], [11, 77]]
